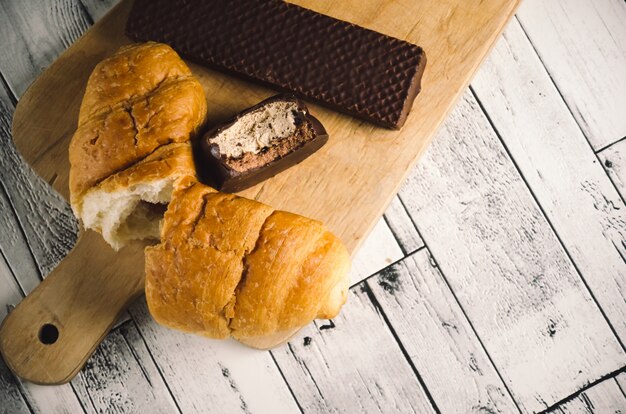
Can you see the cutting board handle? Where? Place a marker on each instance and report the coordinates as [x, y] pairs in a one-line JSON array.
[[50, 335]]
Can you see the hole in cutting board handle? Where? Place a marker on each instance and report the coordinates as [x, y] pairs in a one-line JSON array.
[[48, 334]]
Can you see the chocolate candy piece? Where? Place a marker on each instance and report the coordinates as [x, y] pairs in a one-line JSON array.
[[259, 143], [338, 64]]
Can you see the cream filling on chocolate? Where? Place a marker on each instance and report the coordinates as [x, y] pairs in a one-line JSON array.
[[257, 130], [279, 149]]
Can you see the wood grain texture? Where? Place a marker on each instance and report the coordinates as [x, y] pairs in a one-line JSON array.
[[564, 174], [11, 399], [508, 270], [379, 250], [402, 227], [16, 255], [393, 237], [621, 382], [98, 8], [213, 376], [15, 251], [11, 293], [51, 400], [121, 377], [614, 161], [351, 365], [583, 46], [425, 316], [44, 220], [604, 397], [34, 34]]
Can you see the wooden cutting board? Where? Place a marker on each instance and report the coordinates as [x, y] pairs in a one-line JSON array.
[[347, 184]]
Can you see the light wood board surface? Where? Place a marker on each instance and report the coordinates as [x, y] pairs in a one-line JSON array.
[[347, 184], [425, 298]]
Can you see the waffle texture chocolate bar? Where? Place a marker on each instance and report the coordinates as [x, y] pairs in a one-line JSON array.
[[335, 63]]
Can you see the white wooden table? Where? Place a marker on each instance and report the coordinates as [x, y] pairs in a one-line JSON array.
[[495, 282]]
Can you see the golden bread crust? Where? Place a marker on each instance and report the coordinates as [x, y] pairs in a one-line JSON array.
[[173, 160], [132, 72], [229, 266], [136, 101]]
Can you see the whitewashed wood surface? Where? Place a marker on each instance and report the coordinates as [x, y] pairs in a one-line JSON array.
[[494, 283]]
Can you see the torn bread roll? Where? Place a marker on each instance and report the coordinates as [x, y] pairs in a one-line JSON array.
[[140, 109], [232, 267]]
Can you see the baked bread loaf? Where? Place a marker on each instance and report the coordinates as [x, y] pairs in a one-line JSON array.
[[140, 109], [229, 266]]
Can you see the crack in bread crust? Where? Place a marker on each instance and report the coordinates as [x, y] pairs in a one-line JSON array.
[[129, 111], [244, 274], [197, 219], [132, 100], [138, 162]]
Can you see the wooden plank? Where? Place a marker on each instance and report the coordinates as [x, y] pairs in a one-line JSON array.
[[438, 337], [621, 382], [604, 397], [614, 161], [12, 401], [562, 171], [583, 46], [204, 373], [505, 265], [353, 364], [13, 243], [45, 218], [98, 8], [34, 34], [53, 400], [15, 250], [379, 250], [402, 227], [393, 237], [121, 377], [10, 292]]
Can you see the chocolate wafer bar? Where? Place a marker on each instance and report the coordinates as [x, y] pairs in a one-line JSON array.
[[335, 63], [259, 143]]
